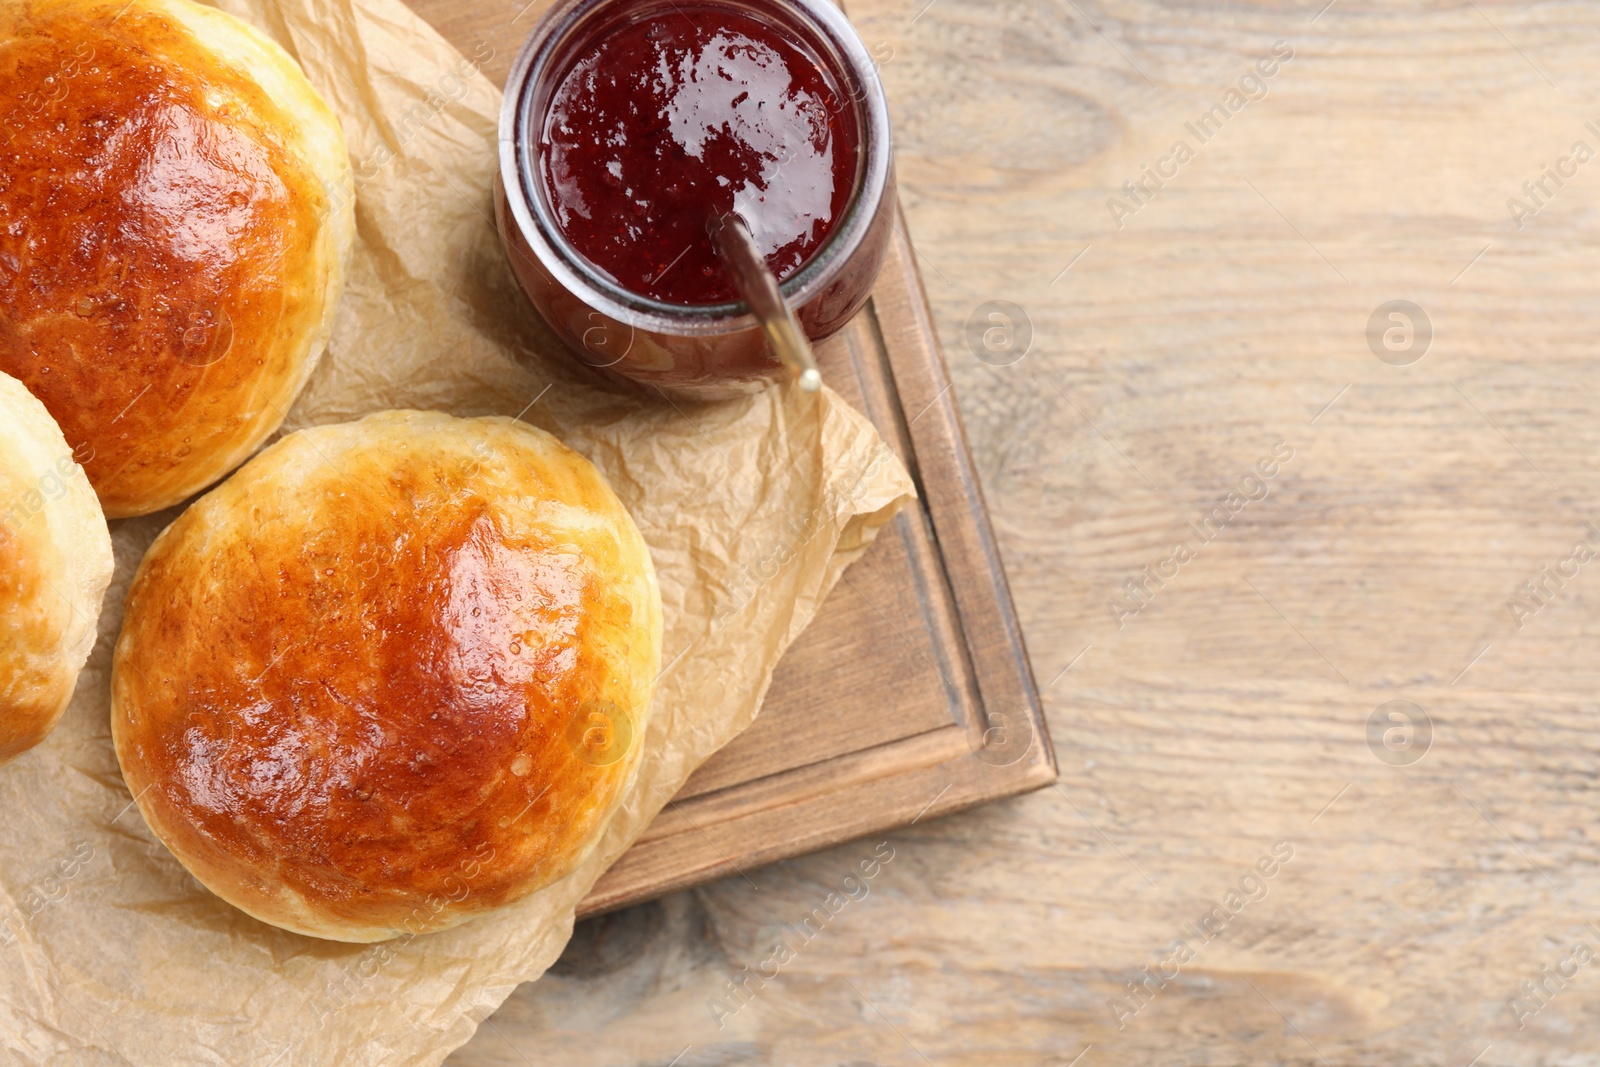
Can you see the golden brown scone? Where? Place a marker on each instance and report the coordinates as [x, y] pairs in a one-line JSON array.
[[390, 675], [55, 564], [175, 221]]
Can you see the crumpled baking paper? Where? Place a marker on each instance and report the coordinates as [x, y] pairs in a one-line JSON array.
[[111, 953]]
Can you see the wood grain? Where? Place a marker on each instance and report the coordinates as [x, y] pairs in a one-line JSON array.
[[1228, 314]]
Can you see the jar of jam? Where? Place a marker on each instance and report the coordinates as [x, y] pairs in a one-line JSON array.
[[630, 126]]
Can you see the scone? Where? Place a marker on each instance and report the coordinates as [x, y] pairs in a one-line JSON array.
[[391, 675], [175, 221], [55, 564]]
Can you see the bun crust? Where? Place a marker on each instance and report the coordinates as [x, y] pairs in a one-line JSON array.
[[390, 675], [55, 564], [175, 222]]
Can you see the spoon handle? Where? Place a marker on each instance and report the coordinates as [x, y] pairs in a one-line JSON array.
[[759, 288]]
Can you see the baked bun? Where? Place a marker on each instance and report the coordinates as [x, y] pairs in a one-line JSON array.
[[389, 676], [175, 220], [55, 564]]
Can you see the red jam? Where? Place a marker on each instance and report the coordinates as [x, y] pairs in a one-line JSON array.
[[686, 113]]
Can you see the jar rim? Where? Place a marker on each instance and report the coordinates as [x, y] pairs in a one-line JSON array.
[[518, 173]]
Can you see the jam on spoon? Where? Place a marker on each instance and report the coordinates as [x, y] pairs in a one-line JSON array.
[[679, 116]]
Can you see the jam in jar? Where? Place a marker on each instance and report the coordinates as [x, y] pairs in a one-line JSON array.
[[630, 126]]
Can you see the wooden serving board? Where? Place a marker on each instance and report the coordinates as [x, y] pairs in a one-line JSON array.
[[910, 695]]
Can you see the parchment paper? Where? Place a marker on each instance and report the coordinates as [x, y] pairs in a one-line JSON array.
[[110, 953]]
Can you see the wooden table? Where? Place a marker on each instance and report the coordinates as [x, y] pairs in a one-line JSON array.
[[1234, 709]]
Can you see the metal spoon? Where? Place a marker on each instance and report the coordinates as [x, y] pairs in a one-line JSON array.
[[759, 288]]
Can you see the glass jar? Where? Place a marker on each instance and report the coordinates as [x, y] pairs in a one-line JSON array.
[[707, 350]]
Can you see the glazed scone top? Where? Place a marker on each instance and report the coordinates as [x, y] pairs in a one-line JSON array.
[[174, 227], [390, 675], [55, 564]]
